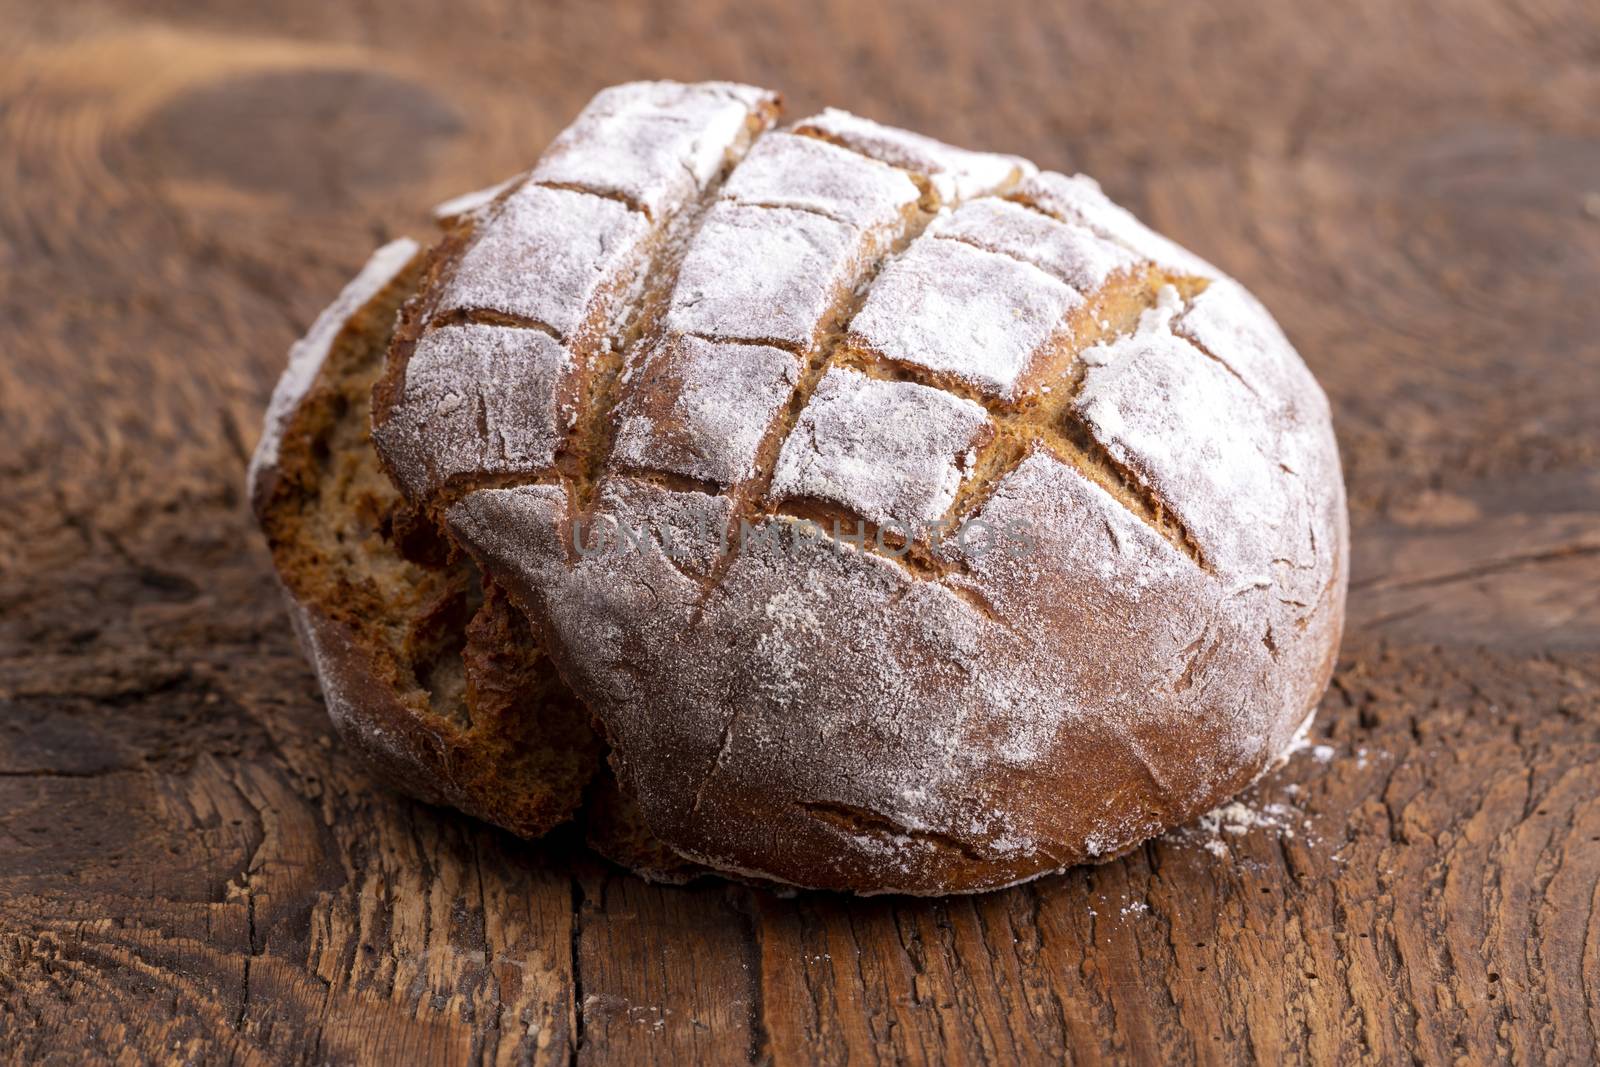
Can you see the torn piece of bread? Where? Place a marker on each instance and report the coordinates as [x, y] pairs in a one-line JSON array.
[[427, 669]]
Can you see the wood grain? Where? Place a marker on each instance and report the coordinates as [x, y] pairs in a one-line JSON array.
[[191, 870]]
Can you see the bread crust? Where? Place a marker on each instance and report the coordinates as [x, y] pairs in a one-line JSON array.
[[369, 716]]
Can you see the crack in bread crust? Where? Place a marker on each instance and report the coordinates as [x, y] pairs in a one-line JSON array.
[[1042, 418], [490, 317], [748, 495]]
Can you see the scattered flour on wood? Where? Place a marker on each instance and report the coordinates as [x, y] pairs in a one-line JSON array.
[[1236, 819]]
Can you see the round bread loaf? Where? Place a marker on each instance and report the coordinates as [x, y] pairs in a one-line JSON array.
[[910, 520]]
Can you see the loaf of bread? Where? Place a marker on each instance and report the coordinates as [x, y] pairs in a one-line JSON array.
[[892, 517]]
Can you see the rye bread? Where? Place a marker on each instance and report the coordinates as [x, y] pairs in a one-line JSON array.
[[678, 324]]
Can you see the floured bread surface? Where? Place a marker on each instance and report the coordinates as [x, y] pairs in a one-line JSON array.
[[911, 520], [892, 452]]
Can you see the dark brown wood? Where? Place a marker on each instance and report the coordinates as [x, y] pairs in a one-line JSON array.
[[191, 870]]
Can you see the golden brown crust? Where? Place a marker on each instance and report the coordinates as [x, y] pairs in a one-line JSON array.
[[615, 828]]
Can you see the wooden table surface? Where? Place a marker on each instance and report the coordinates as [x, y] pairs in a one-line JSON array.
[[192, 870]]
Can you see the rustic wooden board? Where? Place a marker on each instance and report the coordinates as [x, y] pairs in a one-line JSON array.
[[192, 870]]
